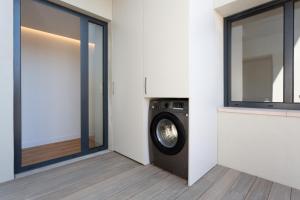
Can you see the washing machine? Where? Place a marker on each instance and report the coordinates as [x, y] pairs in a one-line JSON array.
[[168, 135]]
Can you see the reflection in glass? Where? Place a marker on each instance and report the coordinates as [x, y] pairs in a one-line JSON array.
[[166, 133], [296, 53], [50, 62], [95, 85], [257, 58]]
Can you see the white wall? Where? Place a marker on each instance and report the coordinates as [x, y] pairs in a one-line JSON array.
[[205, 86], [230, 7], [97, 8], [261, 143], [50, 89], [6, 92]]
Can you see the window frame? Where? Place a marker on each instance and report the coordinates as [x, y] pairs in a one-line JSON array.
[[288, 56]]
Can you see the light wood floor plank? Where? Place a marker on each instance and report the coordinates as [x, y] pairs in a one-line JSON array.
[[219, 189], [280, 192], [295, 194], [114, 185], [115, 177], [84, 182], [156, 189], [38, 154], [173, 191], [18, 184], [35, 186], [140, 186], [260, 190], [201, 186], [240, 188]]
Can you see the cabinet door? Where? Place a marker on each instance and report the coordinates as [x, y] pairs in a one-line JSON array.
[[129, 134], [166, 48]]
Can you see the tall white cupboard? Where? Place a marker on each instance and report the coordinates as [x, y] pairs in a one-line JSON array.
[[166, 49]]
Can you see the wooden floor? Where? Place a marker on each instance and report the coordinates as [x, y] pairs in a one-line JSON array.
[[46, 152], [112, 176]]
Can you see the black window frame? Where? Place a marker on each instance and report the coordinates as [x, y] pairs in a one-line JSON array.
[[288, 56], [84, 68]]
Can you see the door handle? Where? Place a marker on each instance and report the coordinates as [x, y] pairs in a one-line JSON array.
[[113, 88], [145, 85]]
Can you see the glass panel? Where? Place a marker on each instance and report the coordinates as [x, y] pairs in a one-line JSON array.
[[50, 61], [297, 53], [257, 58], [166, 133], [95, 85]]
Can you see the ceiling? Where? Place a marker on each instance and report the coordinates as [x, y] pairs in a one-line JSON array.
[[47, 18]]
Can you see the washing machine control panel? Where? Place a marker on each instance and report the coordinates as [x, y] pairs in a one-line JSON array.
[[170, 105]]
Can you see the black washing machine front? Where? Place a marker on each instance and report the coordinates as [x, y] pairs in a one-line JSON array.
[[167, 133]]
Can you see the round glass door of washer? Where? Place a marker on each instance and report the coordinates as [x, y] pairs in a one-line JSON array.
[[166, 133]]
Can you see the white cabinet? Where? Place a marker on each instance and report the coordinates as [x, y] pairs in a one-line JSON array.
[[129, 135], [165, 42], [149, 39], [177, 46]]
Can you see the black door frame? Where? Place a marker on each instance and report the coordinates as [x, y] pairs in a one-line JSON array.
[[85, 150]]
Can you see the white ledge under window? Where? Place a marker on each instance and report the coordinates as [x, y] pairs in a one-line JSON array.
[[259, 111]]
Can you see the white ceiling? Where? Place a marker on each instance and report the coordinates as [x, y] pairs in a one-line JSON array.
[[46, 18]]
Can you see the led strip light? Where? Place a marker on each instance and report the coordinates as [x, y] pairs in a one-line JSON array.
[[54, 36]]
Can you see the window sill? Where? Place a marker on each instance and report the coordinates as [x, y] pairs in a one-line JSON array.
[[257, 111]]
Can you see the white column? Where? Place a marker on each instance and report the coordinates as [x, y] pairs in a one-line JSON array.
[[6, 91]]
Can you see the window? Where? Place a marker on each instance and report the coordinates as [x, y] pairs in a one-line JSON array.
[[297, 52], [260, 67]]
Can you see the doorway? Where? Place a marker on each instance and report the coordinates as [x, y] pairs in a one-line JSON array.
[[61, 87]]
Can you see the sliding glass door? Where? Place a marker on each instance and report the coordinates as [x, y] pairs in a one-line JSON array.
[[60, 84], [96, 78]]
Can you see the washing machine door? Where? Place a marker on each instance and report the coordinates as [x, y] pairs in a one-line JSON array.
[[167, 133]]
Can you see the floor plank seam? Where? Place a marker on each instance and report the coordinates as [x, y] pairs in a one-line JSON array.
[[133, 196], [116, 194], [167, 188], [231, 185], [183, 193], [118, 178], [110, 179], [211, 185], [105, 179], [185, 190], [64, 171], [268, 197], [252, 185]]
